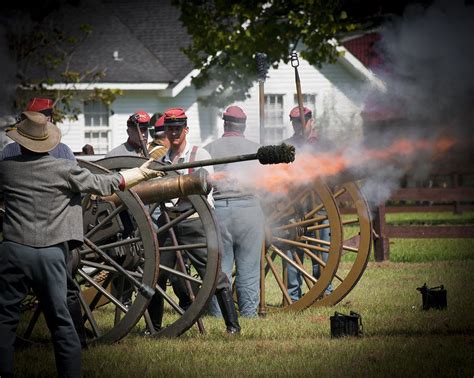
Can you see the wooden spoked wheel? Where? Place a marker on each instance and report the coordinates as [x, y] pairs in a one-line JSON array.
[[290, 232], [357, 231], [120, 250], [176, 319]]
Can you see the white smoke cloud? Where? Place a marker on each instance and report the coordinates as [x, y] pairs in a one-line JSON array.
[[430, 54], [430, 84]]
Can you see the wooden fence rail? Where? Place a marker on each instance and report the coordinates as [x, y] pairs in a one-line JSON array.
[[422, 196]]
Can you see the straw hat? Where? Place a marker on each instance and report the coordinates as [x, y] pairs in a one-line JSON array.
[[35, 133]]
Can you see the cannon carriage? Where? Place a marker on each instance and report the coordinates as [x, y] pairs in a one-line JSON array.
[[119, 263]]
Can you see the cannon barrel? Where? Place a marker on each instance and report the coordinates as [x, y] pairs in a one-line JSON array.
[[163, 189], [166, 188]]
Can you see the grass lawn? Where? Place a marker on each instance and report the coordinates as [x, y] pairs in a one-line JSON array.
[[400, 339], [442, 218]]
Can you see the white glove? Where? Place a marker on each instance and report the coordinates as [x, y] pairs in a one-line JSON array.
[[133, 176]]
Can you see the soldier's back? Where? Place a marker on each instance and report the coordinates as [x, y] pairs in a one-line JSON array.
[[231, 145]]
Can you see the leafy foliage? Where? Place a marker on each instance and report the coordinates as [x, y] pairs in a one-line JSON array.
[[226, 35], [43, 51]]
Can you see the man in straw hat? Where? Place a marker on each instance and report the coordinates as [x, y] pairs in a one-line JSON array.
[[61, 151], [42, 202], [44, 106]]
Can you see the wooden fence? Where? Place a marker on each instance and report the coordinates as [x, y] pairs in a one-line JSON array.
[[426, 200]]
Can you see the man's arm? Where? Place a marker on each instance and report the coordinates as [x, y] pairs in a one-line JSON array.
[[82, 180]]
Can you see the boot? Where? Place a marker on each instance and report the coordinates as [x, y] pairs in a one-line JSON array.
[[179, 288], [226, 303], [155, 309]]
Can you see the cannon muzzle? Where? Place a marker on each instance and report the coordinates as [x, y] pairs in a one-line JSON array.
[[166, 188]]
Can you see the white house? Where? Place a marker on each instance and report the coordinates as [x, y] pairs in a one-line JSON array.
[[140, 49]]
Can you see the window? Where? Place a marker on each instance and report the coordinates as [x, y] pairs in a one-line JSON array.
[[309, 100], [274, 119], [96, 122]]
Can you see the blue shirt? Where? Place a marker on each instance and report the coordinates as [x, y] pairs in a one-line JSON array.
[[61, 151]]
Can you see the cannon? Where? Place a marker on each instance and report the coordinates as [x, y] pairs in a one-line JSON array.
[[157, 195], [351, 234], [121, 253], [118, 264]]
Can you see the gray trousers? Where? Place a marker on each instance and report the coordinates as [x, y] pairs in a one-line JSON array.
[[44, 270], [241, 224]]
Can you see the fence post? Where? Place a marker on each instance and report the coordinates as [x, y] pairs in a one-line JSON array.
[[381, 241], [456, 183]]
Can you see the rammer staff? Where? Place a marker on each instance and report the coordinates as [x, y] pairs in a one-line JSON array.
[[261, 59], [295, 63], [283, 153]]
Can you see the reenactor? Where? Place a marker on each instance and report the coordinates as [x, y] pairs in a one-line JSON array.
[[158, 147], [239, 214], [133, 145], [61, 151], [42, 201], [44, 106], [191, 229], [305, 136], [137, 131]]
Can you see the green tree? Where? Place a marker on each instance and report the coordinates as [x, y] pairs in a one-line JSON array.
[[43, 51], [227, 34]]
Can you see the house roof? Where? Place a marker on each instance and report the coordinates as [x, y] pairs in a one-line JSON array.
[[139, 42], [378, 107], [133, 41], [156, 24], [364, 48]]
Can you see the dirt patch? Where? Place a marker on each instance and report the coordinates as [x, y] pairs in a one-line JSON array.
[[318, 319]]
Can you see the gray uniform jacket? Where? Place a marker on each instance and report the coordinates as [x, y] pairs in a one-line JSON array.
[[125, 149], [229, 146], [43, 201]]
